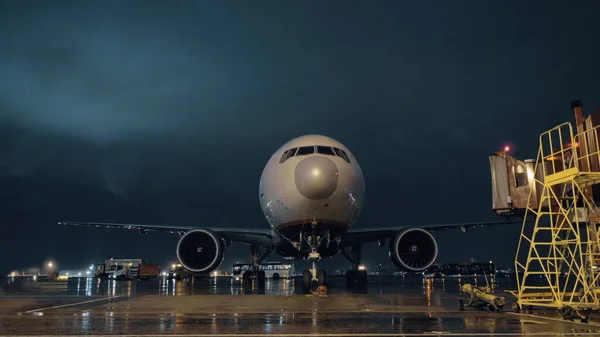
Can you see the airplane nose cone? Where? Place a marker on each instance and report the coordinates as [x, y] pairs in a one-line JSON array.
[[316, 177]]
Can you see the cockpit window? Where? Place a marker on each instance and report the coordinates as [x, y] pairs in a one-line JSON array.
[[325, 150], [304, 150], [284, 156], [342, 154], [287, 155]]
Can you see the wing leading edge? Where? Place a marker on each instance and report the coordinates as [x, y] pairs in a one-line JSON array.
[[249, 236], [357, 236]]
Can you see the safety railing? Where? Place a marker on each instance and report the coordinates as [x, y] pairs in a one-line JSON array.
[[562, 150], [587, 145]]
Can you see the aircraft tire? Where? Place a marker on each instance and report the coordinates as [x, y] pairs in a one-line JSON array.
[[260, 277], [361, 278], [350, 277], [322, 277], [246, 278], [306, 280]]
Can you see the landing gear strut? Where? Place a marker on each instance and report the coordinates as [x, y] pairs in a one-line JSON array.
[[355, 275], [255, 260], [314, 278]]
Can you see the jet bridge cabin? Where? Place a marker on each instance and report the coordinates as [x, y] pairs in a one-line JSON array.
[[513, 181]]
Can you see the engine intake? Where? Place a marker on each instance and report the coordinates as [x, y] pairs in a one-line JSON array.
[[200, 251], [413, 250]]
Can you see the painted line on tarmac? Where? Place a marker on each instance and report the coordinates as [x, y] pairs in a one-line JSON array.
[[545, 334], [592, 324], [71, 304]]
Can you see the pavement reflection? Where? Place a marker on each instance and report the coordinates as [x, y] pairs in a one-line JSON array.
[[389, 306]]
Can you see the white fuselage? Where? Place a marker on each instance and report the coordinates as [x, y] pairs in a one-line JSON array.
[[322, 185]]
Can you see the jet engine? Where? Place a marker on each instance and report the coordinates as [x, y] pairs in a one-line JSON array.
[[200, 251], [413, 250]]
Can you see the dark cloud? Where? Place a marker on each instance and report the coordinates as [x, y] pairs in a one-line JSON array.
[[166, 112]]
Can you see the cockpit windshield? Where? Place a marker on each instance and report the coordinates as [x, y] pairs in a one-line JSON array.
[[325, 150], [308, 150], [305, 150]]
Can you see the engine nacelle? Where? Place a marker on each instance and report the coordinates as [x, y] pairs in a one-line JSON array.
[[413, 250], [200, 251]]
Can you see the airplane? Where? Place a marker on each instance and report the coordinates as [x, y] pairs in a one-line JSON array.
[[311, 192]]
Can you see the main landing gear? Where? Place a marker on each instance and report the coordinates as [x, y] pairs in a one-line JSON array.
[[355, 276], [255, 273]]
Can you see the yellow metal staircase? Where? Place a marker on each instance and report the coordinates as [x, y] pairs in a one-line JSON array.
[[557, 257]]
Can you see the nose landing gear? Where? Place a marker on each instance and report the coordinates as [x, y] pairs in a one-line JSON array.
[[314, 280]]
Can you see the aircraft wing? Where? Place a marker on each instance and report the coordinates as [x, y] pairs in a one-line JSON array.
[[249, 236], [362, 235]]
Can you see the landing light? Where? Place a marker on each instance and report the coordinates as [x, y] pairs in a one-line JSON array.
[[506, 148], [361, 268]]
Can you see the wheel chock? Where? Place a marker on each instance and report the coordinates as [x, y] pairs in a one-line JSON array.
[[322, 290]]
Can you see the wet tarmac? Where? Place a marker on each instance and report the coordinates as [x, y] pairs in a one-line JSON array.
[[390, 306]]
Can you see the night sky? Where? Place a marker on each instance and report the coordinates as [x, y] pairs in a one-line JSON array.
[[166, 112]]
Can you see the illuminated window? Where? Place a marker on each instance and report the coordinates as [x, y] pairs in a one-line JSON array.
[[325, 150], [520, 176]]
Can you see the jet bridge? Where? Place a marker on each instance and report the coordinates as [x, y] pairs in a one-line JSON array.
[[513, 182]]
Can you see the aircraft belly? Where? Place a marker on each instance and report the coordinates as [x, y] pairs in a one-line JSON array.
[[289, 251]]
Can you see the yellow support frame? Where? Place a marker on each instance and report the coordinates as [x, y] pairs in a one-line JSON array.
[[559, 270]]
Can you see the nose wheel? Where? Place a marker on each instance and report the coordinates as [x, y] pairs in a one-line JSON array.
[[314, 279]]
